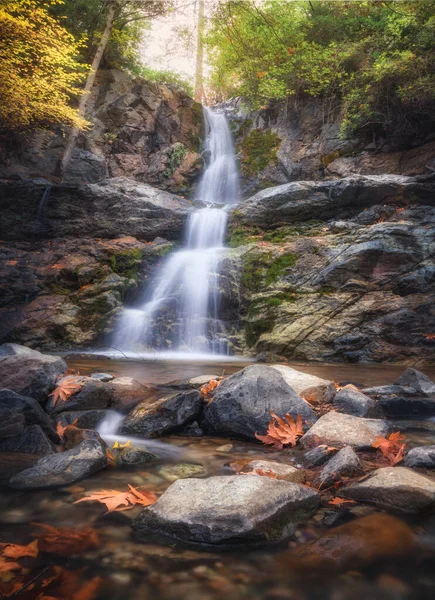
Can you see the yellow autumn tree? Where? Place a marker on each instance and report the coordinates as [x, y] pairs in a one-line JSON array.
[[39, 68]]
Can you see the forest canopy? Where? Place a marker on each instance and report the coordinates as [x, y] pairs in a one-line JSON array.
[[375, 58]]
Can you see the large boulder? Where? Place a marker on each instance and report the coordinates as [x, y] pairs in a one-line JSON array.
[[128, 392], [31, 441], [351, 401], [394, 488], [93, 394], [63, 468], [417, 380], [312, 388], [228, 510], [29, 410], [402, 401], [84, 419], [242, 403], [167, 415], [336, 429], [28, 372], [344, 464]]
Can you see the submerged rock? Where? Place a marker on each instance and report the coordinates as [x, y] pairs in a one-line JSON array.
[[228, 510], [29, 410], [167, 415], [131, 455], [353, 402], [242, 403], [336, 429], [181, 471], [394, 488], [421, 458], [64, 468], [281, 470], [32, 440], [29, 372], [344, 464], [313, 389]]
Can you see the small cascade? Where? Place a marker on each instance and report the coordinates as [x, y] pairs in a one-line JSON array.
[[40, 213], [180, 309]]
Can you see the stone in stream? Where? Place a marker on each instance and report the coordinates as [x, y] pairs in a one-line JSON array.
[[63, 468], [353, 402], [394, 488], [281, 470], [242, 403], [318, 456], [28, 409], [32, 440], [167, 415], [421, 458], [336, 429], [104, 377], [11, 423], [128, 393], [131, 455], [94, 394], [313, 389], [228, 510], [181, 471], [344, 464], [194, 383], [417, 380], [86, 419], [28, 372]]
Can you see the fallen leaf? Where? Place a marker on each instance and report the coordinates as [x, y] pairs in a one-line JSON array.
[[89, 590], [263, 473], [283, 433], [65, 541], [340, 502], [119, 501], [118, 445], [67, 387], [6, 565], [60, 429], [11, 263], [429, 336], [15, 551], [391, 448], [209, 387]]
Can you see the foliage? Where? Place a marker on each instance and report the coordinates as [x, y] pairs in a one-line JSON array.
[[258, 150], [279, 265], [373, 59], [119, 501], [39, 70], [391, 448], [176, 155], [66, 388], [164, 77], [282, 433], [209, 387]]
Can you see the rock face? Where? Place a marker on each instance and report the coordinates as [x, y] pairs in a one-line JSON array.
[[85, 419], [29, 372], [394, 488], [64, 468], [242, 403], [336, 429], [167, 415], [141, 130], [314, 389], [228, 510], [337, 270], [352, 402], [128, 392]]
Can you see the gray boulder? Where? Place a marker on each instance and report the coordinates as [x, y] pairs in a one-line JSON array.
[[353, 402], [318, 456], [167, 415], [421, 458], [336, 429], [242, 403], [403, 400], [417, 380], [128, 392], [281, 470], [314, 389], [63, 468], [104, 377], [86, 419], [228, 510], [344, 464], [31, 441], [94, 394], [29, 410], [394, 488], [11, 423], [29, 372]]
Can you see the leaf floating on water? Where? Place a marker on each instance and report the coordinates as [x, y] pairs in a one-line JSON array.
[[65, 541], [15, 551], [119, 501], [67, 387], [282, 433]]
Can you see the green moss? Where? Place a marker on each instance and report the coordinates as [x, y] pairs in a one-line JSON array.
[[258, 149], [126, 262], [59, 290], [176, 155], [254, 329], [163, 250], [240, 234], [254, 270], [279, 265]]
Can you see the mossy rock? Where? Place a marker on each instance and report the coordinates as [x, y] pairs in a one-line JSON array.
[[258, 149], [240, 234], [126, 262], [278, 267]]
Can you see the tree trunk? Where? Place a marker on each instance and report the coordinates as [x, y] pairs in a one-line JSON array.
[[199, 86], [84, 99]]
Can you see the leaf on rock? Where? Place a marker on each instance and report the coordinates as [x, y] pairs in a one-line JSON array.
[[340, 502], [65, 541], [209, 387], [282, 433], [263, 473], [60, 429], [119, 501], [67, 387], [118, 445], [15, 551], [392, 448]]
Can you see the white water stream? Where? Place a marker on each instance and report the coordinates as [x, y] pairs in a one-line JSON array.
[[180, 310]]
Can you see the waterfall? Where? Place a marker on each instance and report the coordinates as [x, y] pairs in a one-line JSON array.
[[180, 310]]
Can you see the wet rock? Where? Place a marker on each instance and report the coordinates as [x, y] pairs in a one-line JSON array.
[[28, 372], [94, 394], [344, 464], [318, 456], [167, 415], [73, 436], [31, 441], [336, 429], [228, 510], [402, 401], [195, 383], [394, 488], [64, 468], [132, 455], [181, 471], [313, 389], [104, 377], [29, 410], [128, 392], [11, 423], [417, 380], [352, 546], [421, 458], [353, 402], [191, 430], [242, 403], [85, 419], [281, 470]]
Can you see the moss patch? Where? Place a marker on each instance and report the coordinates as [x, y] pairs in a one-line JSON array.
[[240, 235], [254, 270], [258, 150], [126, 262], [176, 155], [278, 266]]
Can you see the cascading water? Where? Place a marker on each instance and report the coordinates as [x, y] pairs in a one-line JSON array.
[[184, 298]]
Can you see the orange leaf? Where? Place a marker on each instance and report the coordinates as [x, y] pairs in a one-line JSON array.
[[209, 387], [14, 551], [60, 429], [391, 448], [340, 502], [65, 541], [119, 501], [68, 386], [283, 433], [6, 565], [89, 590], [11, 263], [263, 473]]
